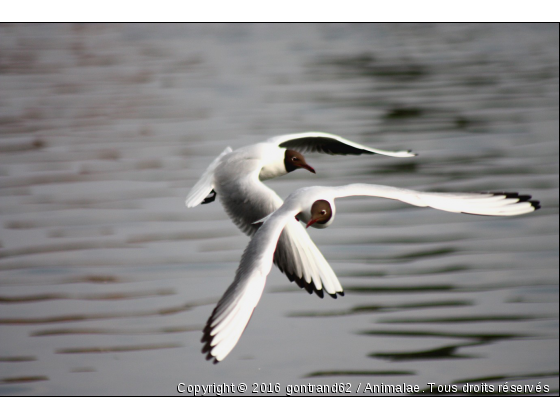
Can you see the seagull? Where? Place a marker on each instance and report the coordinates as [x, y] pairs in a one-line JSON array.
[[315, 207], [235, 177]]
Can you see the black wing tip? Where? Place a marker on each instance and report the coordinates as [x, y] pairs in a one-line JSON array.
[[308, 287], [335, 295], [207, 339], [212, 359], [506, 194], [521, 198], [207, 348], [210, 197], [512, 194]]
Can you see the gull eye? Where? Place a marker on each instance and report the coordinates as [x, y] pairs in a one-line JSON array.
[[294, 158], [323, 212]]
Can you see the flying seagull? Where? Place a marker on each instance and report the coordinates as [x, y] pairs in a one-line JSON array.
[[315, 207]]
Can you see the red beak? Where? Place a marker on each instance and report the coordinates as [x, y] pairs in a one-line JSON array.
[[310, 223], [309, 168]]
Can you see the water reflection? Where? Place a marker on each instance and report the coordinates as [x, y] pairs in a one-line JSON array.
[[83, 317], [445, 352], [386, 308], [114, 331], [118, 349], [350, 373]]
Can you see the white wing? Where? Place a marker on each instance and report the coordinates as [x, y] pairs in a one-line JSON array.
[[486, 204], [331, 144], [234, 310], [205, 184], [299, 258]]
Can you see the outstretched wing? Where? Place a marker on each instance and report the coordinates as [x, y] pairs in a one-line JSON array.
[[331, 144], [234, 310], [486, 204], [205, 184]]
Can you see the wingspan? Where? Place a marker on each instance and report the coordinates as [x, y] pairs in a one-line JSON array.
[[485, 204], [331, 144], [202, 191]]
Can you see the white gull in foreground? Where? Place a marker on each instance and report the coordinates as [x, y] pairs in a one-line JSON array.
[[315, 207], [235, 177]]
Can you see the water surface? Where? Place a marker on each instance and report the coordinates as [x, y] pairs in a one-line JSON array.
[[106, 279]]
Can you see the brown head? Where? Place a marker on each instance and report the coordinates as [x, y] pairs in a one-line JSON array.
[[294, 160], [321, 213]]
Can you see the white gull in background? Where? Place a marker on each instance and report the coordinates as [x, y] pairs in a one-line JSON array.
[[235, 177], [315, 207]]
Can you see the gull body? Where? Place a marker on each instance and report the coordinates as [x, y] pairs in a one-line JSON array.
[[315, 207], [236, 176]]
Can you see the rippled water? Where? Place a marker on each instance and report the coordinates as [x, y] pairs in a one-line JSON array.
[[106, 279]]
